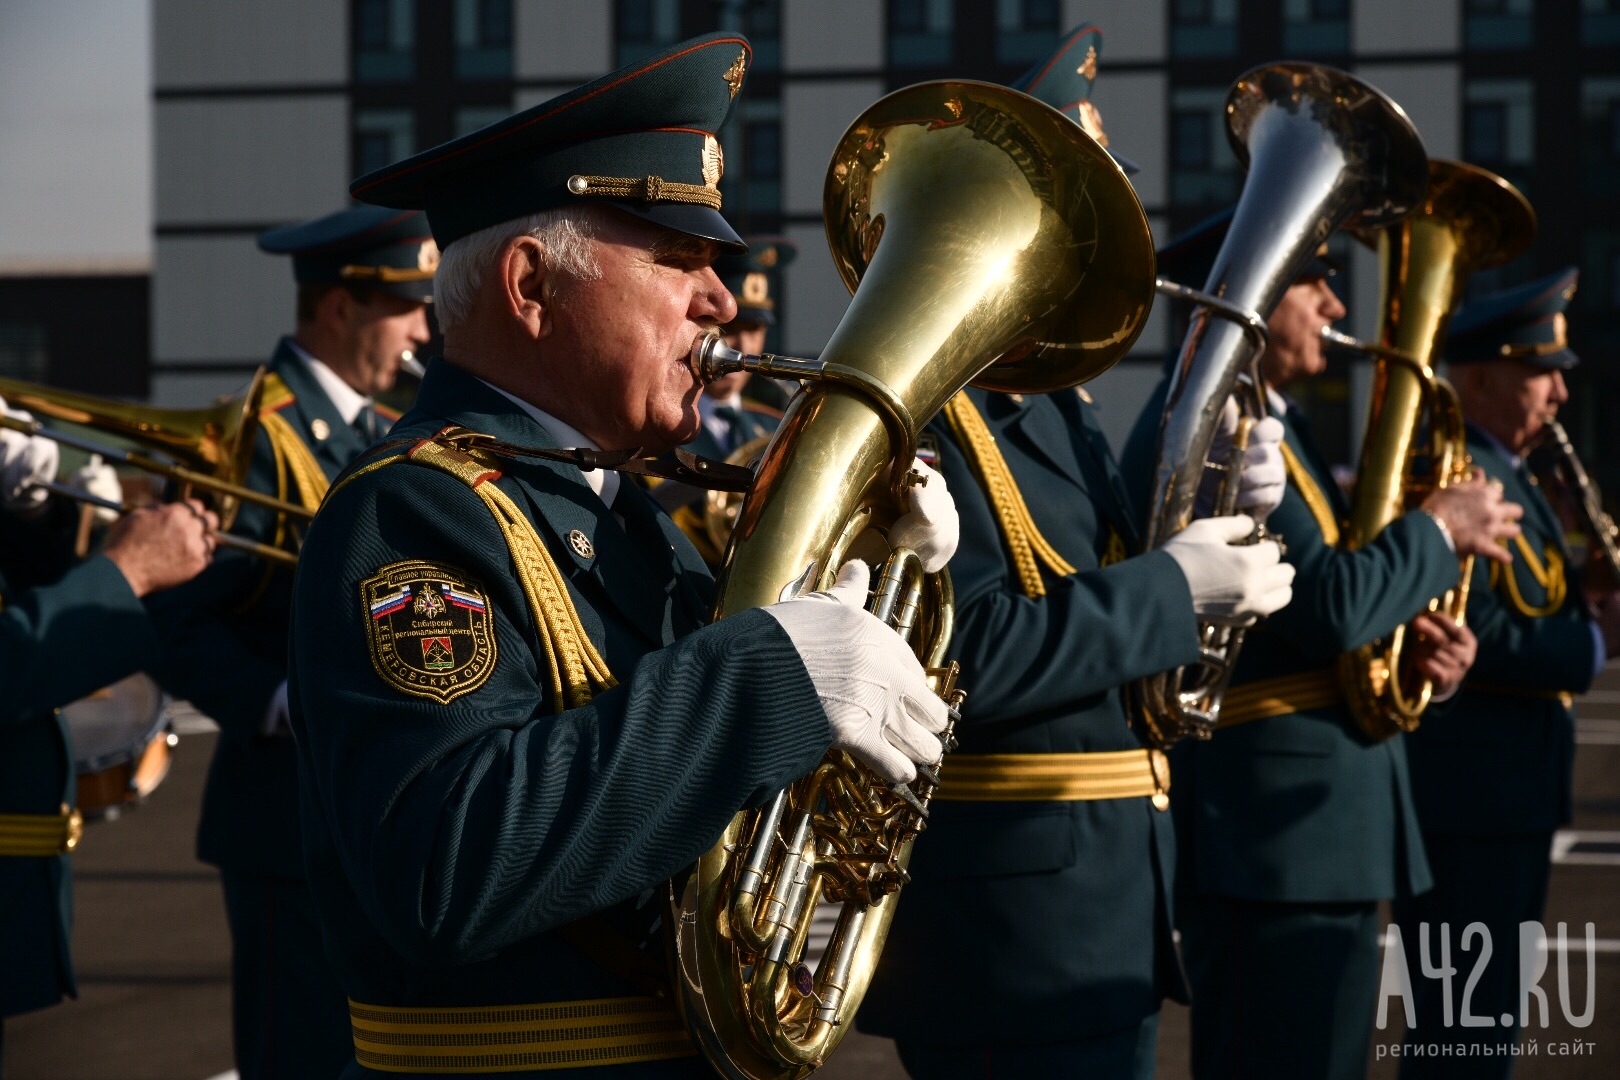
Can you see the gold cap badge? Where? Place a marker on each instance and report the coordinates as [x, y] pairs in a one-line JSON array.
[[734, 74]]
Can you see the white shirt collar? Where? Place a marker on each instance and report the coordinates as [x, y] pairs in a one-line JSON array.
[[604, 482], [344, 398]]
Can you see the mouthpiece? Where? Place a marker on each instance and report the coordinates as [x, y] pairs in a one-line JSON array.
[[410, 365]]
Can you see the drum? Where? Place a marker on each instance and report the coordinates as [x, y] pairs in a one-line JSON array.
[[122, 740]]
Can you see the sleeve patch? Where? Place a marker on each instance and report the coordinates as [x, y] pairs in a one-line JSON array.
[[429, 628]]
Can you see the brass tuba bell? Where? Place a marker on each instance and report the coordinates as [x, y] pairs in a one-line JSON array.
[[1470, 219], [983, 228]]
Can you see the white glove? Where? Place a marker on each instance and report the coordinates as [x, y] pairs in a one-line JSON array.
[[24, 461], [1263, 477], [101, 480], [277, 719], [873, 689], [1227, 579], [930, 526]]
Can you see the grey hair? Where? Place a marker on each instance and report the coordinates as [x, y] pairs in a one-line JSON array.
[[564, 234]]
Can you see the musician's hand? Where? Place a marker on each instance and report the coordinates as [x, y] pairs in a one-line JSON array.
[[930, 526], [24, 461], [101, 480], [1229, 579], [162, 546], [1442, 651], [876, 696], [1262, 477], [1477, 517]]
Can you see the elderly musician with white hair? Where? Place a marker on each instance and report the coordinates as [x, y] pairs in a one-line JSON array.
[[512, 723]]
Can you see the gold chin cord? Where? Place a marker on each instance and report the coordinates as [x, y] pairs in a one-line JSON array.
[[1322, 149], [208, 449], [993, 242], [1469, 220]]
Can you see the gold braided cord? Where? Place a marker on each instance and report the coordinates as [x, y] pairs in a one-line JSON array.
[[577, 671], [1550, 577], [1315, 499], [645, 189], [1029, 549], [296, 458]]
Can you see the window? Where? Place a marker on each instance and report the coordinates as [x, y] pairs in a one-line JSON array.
[[483, 39], [382, 137], [1499, 125], [1487, 132], [752, 185], [1026, 30], [762, 23], [644, 27], [1316, 27], [384, 40], [1600, 22], [1600, 134], [1204, 174], [920, 33], [1498, 24], [1203, 28]]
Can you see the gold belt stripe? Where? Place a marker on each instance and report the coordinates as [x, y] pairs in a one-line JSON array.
[[514, 1038], [1028, 548], [38, 836], [1280, 696], [1109, 774]]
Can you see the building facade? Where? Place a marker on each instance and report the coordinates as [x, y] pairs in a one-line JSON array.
[[264, 109]]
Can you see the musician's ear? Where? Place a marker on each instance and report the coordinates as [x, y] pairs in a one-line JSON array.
[[527, 285]]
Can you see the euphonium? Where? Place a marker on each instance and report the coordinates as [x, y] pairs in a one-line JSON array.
[[1469, 220], [1322, 149], [982, 227], [209, 448]]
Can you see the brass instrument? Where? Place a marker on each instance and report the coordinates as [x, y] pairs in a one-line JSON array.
[[982, 228], [1470, 219], [209, 448], [1585, 494], [1322, 149]]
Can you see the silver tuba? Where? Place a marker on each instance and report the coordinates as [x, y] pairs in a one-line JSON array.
[[1323, 149]]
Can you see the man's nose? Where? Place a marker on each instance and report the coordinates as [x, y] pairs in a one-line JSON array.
[[713, 300], [1333, 308], [419, 326], [1560, 389]]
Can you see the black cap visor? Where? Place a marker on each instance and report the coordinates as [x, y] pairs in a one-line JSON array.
[[689, 218]]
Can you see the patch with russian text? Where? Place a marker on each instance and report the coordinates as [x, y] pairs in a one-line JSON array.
[[430, 629]]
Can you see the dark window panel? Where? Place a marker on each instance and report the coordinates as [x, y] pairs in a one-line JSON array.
[[384, 41], [1485, 133]]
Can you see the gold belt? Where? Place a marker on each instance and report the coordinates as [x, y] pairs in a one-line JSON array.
[[1563, 697], [40, 835], [1109, 774], [1280, 696], [517, 1038]]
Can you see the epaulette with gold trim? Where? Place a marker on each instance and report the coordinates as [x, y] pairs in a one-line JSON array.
[[275, 395]]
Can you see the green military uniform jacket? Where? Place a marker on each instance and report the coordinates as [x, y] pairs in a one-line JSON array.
[[1498, 758], [225, 646], [454, 823], [1302, 807], [1052, 917], [59, 641]]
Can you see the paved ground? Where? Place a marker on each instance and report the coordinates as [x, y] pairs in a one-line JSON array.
[[153, 951]]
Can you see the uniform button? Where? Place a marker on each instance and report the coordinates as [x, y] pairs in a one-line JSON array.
[[320, 429]]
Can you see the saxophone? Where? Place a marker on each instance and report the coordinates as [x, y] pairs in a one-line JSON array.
[[1470, 219], [983, 228]]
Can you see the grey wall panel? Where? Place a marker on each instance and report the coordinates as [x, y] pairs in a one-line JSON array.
[[190, 390], [814, 117], [1431, 94], [1120, 394], [562, 39], [1405, 26], [256, 160], [1133, 107], [832, 35], [1132, 29], [199, 43], [218, 298], [816, 297]]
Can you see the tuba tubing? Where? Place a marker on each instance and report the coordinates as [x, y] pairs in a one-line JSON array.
[[990, 239], [1322, 149]]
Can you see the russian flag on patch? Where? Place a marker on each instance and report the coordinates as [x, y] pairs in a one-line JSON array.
[[390, 604], [463, 600]]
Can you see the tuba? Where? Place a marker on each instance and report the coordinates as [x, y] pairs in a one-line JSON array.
[[1470, 219], [982, 228], [1323, 149]]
